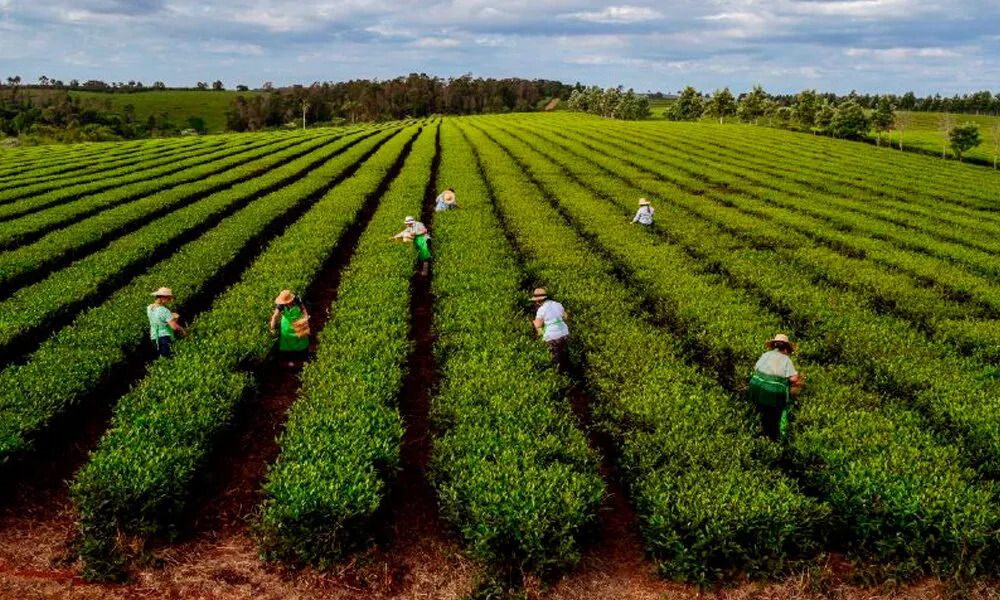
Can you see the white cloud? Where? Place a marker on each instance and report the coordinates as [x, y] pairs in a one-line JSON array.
[[436, 42], [859, 8], [219, 47], [618, 15], [901, 53]]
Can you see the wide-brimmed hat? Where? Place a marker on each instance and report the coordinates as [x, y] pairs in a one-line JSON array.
[[163, 292], [539, 294], [643, 202], [779, 339], [285, 297], [449, 196], [409, 220]]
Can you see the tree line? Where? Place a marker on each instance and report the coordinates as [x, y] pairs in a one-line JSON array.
[[415, 95], [612, 103], [849, 117]]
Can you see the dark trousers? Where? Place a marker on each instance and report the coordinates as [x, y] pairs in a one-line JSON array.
[[163, 346], [770, 421], [559, 349]]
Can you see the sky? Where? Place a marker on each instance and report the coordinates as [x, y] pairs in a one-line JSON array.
[[785, 45]]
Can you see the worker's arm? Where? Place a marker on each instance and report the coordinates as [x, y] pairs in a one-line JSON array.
[[797, 382], [176, 326], [275, 317], [539, 326]]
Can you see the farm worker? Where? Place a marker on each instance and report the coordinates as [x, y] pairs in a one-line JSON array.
[[550, 325], [773, 384], [644, 216], [445, 201], [416, 231], [162, 322], [293, 335]]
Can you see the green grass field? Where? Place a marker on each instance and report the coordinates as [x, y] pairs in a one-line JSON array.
[[179, 105], [924, 133]]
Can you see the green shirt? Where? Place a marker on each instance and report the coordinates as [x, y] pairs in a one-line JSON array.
[[159, 316]]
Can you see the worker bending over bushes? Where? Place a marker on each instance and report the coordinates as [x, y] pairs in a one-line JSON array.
[[773, 385], [293, 336], [550, 325], [417, 232]]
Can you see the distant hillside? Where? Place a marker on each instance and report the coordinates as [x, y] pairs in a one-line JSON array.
[[178, 104]]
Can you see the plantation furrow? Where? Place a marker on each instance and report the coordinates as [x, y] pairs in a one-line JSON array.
[[707, 502], [340, 450], [808, 185], [96, 172], [29, 228], [507, 451], [722, 329], [890, 291], [34, 311], [689, 196], [32, 263], [953, 393], [110, 190], [141, 474], [82, 357], [847, 212], [91, 166]]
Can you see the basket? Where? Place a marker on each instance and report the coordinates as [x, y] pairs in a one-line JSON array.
[[301, 327]]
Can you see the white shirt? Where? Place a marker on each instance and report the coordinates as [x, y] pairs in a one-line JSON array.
[[644, 216], [417, 228], [776, 363], [551, 314]]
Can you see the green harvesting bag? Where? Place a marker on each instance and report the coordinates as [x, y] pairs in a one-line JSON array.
[[770, 391]]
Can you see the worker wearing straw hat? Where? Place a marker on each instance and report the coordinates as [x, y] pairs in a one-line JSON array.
[[445, 201], [773, 384], [644, 216], [293, 336], [550, 325], [163, 323], [416, 231]]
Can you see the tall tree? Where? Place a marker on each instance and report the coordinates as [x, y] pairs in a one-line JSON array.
[[689, 106], [995, 138], [753, 106], [850, 121], [721, 105], [883, 118], [945, 124], [902, 123], [963, 138], [807, 104]]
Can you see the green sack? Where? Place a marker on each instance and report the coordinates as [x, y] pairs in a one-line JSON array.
[[423, 248], [768, 390]]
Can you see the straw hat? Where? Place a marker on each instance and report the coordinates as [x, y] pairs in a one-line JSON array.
[[409, 220], [643, 202], [449, 196], [285, 297], [539, 294], [779, 338], [163, 292]]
